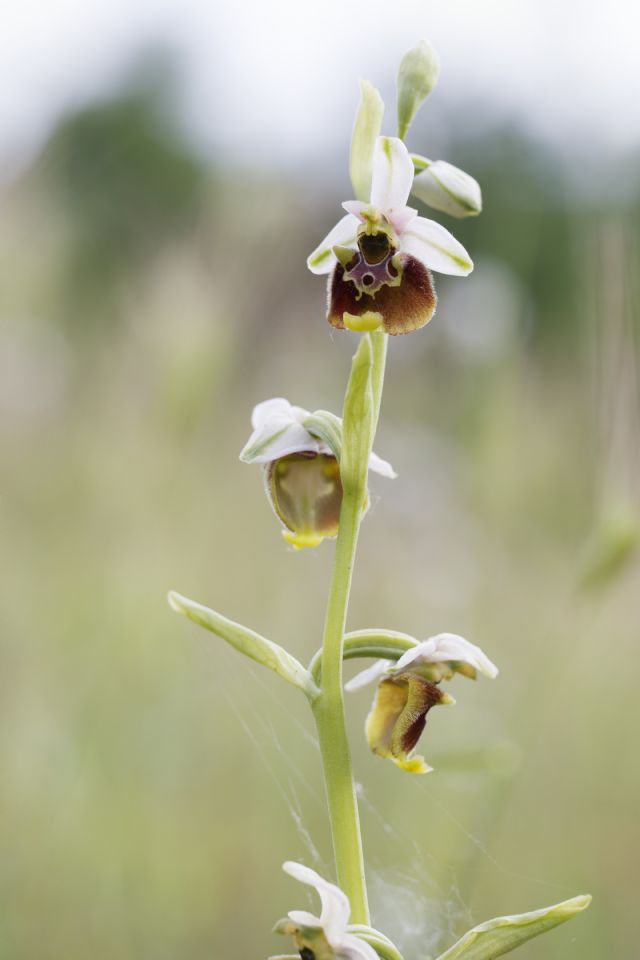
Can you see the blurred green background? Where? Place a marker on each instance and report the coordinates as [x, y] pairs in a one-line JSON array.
[[151, 782]]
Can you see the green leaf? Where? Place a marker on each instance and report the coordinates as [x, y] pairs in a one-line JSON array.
[[495, 937], [327, 427], [366, 130], [357, 422], [251, 644], [417, 76]]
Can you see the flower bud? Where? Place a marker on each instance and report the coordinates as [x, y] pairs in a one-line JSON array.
[[417, 76], [449, 189]]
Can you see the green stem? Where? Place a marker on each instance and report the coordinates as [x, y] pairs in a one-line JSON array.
[[329, 706]]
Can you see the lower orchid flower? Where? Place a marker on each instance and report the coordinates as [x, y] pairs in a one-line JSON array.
[[300, 452], [381, 253], [408, 689], [326, 936]]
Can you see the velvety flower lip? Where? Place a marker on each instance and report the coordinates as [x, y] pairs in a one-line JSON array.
[[278, 431], [332, 922]]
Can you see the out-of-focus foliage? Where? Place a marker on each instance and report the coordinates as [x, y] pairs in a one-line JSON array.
[[151, 783]]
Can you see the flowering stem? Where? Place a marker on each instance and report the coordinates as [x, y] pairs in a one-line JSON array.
[[329, 706]]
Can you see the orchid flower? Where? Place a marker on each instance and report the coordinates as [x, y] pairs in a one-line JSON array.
[[381, 253], [326, 936], [300, 452], [409, 689]]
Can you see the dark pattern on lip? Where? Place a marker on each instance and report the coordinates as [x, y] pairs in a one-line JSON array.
[[403, 308]]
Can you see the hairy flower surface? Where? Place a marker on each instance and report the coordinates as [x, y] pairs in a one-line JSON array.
[[326, 936], [302, 470], [409, 689], [381, 253]]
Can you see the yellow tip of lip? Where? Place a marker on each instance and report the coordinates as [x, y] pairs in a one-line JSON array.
[[413, 765], [364, 323], [302, 540]]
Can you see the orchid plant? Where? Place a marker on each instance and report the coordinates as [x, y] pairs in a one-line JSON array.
[[379, 260]]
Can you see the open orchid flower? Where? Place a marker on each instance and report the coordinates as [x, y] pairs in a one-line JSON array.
[[326, 936], [381, 253], [300, 452], [408, 689]]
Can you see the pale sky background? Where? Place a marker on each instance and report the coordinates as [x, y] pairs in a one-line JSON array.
[[275, 78]]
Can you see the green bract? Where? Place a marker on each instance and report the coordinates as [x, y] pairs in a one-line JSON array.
[[417, 76], [493, 938], [246, 641], [358, 421], [366, 130]]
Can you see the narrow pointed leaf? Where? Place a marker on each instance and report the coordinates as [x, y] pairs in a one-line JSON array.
[[496, 937], [365, 132], [246, 641]]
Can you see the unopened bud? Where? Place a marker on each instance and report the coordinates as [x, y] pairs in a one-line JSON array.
[[417, 76], [449, 189]]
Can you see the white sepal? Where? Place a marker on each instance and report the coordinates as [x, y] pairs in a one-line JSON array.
[[323, 259], [334, 915], [436, 248], [378, 669], [278, 432], [335, 910], [447, 648], [383, 467], [392, 175]]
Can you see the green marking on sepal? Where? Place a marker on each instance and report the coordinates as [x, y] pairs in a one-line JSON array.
[[366, 129], [493, 938], [417, 76], [249, 453], [248, 642], [320, 257]]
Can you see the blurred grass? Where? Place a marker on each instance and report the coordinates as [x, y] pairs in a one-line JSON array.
[[151, 784]]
